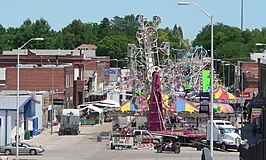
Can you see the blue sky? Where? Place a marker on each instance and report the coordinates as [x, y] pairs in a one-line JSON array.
[[60, 13]]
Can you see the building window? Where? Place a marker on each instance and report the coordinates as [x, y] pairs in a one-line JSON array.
[[67, 80], [71, 80]]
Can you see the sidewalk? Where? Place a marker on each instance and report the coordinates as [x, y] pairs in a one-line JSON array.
[[246, 133], [44, 137]]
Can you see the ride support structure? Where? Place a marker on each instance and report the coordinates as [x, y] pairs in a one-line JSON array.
[[156, 119]]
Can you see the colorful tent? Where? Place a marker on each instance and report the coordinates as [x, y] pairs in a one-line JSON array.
[[220, 108], [219, 93], [128, 106], [184, 105], [223, 108]]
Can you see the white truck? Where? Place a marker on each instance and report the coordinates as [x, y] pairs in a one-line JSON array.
[[225, 135], [136, 137], [70, 122]]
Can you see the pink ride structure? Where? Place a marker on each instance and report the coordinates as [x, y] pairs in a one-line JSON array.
[[156, 118]]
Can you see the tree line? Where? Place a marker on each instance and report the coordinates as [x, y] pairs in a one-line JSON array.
[[111, 36]]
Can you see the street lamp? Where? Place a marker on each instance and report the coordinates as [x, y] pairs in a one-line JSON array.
[[228, 72], [84, 68], [260, 44], [211, 104], [116, 62], [216, 66], [124, 59], [223, 63], [238, 68], [52, 113], [17, 127]]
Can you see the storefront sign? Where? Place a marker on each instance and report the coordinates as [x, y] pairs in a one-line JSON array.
[[244, 94], [256, 113], [58, 101], [229, 101], [258, 102], [204, 102]]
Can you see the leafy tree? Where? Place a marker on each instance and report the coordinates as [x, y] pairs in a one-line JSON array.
[[104, 28], [125, 26], [113, 46], [233, 51], [180, 32]]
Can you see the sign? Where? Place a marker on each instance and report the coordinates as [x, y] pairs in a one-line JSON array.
[[204, 102], [109, 71], [58, 101], [45, 102], [256, 113], [229, 101], [206, 80], [244, 94], [258, 102]]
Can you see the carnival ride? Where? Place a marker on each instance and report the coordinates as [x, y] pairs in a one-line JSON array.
[[189, 70], [153, 74]]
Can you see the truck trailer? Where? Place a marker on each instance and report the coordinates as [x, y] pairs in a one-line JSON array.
[[70, 122]]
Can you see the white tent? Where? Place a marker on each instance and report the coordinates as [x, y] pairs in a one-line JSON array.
[[107, 104], [92, 107]]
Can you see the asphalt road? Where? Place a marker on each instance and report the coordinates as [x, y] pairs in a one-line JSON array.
[[85, 146]]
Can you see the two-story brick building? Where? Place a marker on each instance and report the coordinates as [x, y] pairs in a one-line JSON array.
[[82, 73]]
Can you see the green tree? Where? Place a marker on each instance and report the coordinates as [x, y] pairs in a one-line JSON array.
[[113, 46], [232, 51], [124, 26], [104, 28]]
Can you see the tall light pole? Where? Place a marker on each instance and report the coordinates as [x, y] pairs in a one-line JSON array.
[[116, 62], [242, 14], [223, 63], [52, 112], [122, 59], [211, 104], [260, 44], [241, 91], [228, 73], [17, 108]]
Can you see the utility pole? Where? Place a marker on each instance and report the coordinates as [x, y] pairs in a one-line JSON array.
[[52, 112]]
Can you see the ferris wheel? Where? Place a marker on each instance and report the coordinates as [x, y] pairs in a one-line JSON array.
[[190, 68]]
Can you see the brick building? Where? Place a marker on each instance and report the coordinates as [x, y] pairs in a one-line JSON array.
[[91, 74], [250, 77], [34, 78], [262, 77]]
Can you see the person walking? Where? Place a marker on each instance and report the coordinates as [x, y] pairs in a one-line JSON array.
[[245, 116], [254, 129]]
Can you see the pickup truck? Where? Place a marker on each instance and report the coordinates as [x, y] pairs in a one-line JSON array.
[[163, 142], [144, 136], [128, 140]]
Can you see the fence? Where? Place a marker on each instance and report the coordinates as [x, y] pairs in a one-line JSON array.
[[254, 152]]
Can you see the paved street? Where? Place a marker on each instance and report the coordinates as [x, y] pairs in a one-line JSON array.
[[84, 147]]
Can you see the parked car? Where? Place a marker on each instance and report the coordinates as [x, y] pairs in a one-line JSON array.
[[23, 147]]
